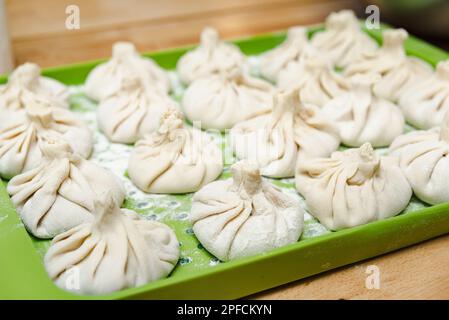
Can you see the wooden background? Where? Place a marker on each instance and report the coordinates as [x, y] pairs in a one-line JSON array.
[[38, 34]]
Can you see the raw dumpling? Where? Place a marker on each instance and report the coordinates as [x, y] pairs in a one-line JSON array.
[[222, 100], [424, 157], [117, 250], [106, 78], [391, 62], [362, 117], [425, 103], [211, 56], [316, 78], [343, 41], [277, 59], [132, 112], [59, 194], [275, 140], [25, 84], [245, 215], [175, 158], [353, 187], [19, 138]]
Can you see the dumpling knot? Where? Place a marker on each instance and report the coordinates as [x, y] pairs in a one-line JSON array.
[[341, 20], [39, 113], [131, 83], [53, 146], [368, 163], [246, 176], [25, 75], [171, 120], [210, 37], [297, 34], [394, 38], [123, 49], [443, 70]]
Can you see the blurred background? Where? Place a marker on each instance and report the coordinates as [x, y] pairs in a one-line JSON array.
[[38, 32]]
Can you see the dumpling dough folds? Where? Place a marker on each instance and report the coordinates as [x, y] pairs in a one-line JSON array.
[[222, 100], [277, 59], [425, 103], [353, 187], [343, 41], [25, 84], [175, 158], [20, 137], [362, 117], [424, 157], [132, 112], [211, 56], [106, 78], [117, 250], [292, 130], [59, 194], [245, 215], [397, 71], [313, 74]]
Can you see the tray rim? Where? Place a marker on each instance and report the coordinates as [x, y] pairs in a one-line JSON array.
[[426, 223]]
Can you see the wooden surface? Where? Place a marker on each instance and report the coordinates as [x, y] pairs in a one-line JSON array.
[[38, 34]]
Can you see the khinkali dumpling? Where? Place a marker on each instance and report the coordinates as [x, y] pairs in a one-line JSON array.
[[316, 78], [362, 117], [221, 100], [133, 111], [106, 78], [211, 56], [175, 158], [424, 157], [19, 138], [353, 187], [343, 41], [425, 103], [391, 62], [245, 215], [117, 250], [277, 139], [25, 84], [59, 194], [277, 59]]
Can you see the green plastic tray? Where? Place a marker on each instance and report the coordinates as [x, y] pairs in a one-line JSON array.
[[22, 274]]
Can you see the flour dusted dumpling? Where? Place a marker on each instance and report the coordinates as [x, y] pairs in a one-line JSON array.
[[313, 74], [277, 59], [25, 84], [211, 56], [175, 158], [276, 140], [59, 194], [353, 187], [424, 157], [362, 117], [132, 111], [245, 215], [425, 103], [19, 138], [398, 71], [106, 78], [221, 100], [343, 41], [117, 250]]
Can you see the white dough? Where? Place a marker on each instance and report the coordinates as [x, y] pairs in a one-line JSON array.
[[245, 215], [397, 71], [59, 194], [277, 59], [106, 78], [20, 136], [362, 117], [343, 41], [353, 187], [425, 103], [221, 100], [133, 111], [175, 158], [117, 250], [210, 57], [424, 158]]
